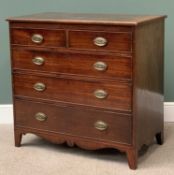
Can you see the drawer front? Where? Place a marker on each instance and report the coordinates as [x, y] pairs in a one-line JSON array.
[[110, 95], [93, 124], [116, 42], [38, 37], [102, 66]]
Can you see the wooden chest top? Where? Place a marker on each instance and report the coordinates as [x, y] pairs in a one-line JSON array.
[[75, 18]]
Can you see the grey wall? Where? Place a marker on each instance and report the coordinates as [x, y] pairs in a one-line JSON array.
[[23, 7]]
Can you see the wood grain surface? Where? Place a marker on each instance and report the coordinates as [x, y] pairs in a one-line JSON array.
[[118, 67], [74, 121], [133, 80], [74, 91]]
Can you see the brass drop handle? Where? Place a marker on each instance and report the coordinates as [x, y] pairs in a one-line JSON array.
[[38, 61], [100, 66], [100, 125], [37, 38], [39, 86], [40, 117], [100, 94], [100, 41]]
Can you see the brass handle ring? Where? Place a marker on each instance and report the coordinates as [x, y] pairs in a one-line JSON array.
[[100, 125], [40, 117], [37, 38], [100, 41], [39, 87], [100, 94], [38, 61], [100, 66]]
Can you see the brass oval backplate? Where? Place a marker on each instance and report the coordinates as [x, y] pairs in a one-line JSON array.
[[39, 86], [100, 94], [100, 66], [40, 117], [37, 38], [100, 125], [38, 61], [100, 41]]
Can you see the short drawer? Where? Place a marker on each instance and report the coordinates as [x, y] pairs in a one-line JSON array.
[[116, 42], [89, 123], [108, 95], [38, 37], [102, 66]]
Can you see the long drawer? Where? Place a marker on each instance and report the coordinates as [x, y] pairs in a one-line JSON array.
[[108, 95], [93, 124], [101, 66]]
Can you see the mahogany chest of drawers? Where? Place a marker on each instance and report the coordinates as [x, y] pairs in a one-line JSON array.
[[95, 81]]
